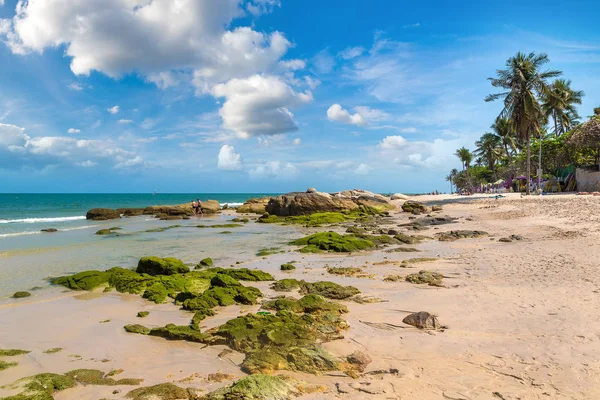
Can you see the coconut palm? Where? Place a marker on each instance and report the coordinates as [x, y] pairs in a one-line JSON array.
[[489, 147], [465, 156], [558, 103], [504, 129], [524, 83]]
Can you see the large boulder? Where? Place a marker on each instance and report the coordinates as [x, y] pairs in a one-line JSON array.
[[302, 203], [102, 214], [178, 210], [161, 266], [422, 320], [399, 196], [211, 207], [254, 206], [415, 207]]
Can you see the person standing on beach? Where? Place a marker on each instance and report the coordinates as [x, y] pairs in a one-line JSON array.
[[199, 209], [195, 207]]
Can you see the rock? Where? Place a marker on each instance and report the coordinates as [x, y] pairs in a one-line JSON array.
[[222, 280], [143, 314], [20, 295], [360, 360], [399, 196], [436, 208], [207, 262], [332, 242], [431, 221], [211, 207], [414, 207], [311, 190], [161, 266], [422, 320], [460, 234], [104, 232], [254, 206], [287, 267], [102, 214], [163, 391], [86, 280], [426, 277], [259, 387], [293, 204], [137, 328], [49, 230], [130, 212], [505, 240]]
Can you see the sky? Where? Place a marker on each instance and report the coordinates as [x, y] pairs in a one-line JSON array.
[[209, 96]]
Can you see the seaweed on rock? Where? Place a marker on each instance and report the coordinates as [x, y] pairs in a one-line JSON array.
[[332, 242]]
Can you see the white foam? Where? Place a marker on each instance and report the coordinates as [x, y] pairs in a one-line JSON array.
[[40, 220], [233, 205], [36, 232]]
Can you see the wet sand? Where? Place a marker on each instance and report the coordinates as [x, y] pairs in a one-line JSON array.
[[523, 317]]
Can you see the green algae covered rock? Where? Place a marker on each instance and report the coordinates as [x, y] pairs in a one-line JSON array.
[[243, 274], [164, 391], [414, 207], [319, 219], [288, 267], [21, 295], [12, 352], [286, 285], [161, 266], [332, 242], [99, 378], [426, 277], [207, 262], [269, 219], [40, 387], [178, 332], [5, 365], [329, 290], [143, 314], [258, 387], [156, 293], [223, 280], [87, 280], [137, 328], [308, 304]]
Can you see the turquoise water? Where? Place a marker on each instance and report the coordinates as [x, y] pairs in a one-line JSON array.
[[27, 214]]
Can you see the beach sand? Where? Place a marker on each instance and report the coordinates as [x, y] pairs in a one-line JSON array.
[[522, 318]]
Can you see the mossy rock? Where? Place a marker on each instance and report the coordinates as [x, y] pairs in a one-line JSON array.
[[223, 280], [161, 266], [242, 220], [332, 242], [104, 232], [207, 262], [53, 350], [320, 219], [286, 285], [288, 267], [407, 239], [86, 280], [143, 314], [178, 332], [156, 293], [163, 391], [308, 304], [220, 226], [137, 328], [268, 251], [244, 274], [269, 219], [329, 290], [99, 378], [40, 387], [5, 365], [459, 234], [21, 295], [258, 387], [345, 271], [12, 352], [426, 277], [414, 207]]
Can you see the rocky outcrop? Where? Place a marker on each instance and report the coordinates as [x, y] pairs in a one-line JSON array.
[[211, 207], [302, 203], [102, 214], [399, 196], [254, 206]]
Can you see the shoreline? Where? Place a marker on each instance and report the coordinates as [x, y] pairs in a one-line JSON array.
[[509, 307]]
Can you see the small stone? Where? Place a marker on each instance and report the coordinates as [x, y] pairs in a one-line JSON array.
[[422, 320], [360, 360]]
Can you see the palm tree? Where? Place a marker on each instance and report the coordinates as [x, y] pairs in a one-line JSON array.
[[559, 103], [489, 147], [465, 156], [524, 83], [504, 129]]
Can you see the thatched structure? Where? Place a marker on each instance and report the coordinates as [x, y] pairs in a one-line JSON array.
[[587, 136]]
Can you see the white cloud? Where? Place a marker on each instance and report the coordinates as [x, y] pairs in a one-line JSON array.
[[75, 86], [147, 140], [86, 164], [259, 105], [324, 62], [363, 169], [297, 142], [164, 79], [114, 110], [148, 123], [18, 149], [393, 142], [293, 65], [312, 83], [73, 130], [409, 129], [228, 159], [337, 113], [372, 114], [273, 170], [412, 25], [125, 121], [351, 52], [258, 7]]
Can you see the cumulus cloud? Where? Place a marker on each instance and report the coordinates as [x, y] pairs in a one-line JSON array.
[[258, 7], [372, 114], [125, 121], [18, 149], [114, 110], [259, 105], [273, 170], [73, 130], [337, 113], [393, 142], [324, 62], [86, 164], [293, 65], [228, 159]]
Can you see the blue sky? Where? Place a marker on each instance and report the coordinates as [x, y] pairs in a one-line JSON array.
[[263, 95]]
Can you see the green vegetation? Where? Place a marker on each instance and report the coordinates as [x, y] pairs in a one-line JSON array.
[[345, 271], [242, 220], [163, 229], [259, 387], [220, 226], [269, 219], [207, 262], [87, 280], [5, 365], [161, 266], [426, 277], [539, 118], [164, 391], [143, 314], [288, 267], [332, 242], [20, 295], [53, 350], [269, 251], [12, 352], [326, 289]]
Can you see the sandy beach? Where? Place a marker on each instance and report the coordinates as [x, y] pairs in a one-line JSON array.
[[520, 318]]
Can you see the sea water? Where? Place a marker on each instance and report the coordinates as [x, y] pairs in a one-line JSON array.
[[28, 257]]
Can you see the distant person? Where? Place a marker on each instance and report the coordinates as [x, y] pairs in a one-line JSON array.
[[195, 207], [199, 209]]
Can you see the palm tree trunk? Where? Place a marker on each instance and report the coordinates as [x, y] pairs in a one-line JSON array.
[[555, 124], [527, 187]]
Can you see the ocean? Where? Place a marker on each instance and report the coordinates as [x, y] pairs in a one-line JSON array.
[[29, 257], [28, 214]]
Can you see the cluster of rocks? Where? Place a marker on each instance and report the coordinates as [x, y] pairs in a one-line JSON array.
[[180, 211]]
